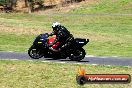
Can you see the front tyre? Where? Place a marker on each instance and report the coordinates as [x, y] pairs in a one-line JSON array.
[[35, 53], [78, 54]]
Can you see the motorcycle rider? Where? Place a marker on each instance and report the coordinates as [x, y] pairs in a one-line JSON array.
[[62, 34]]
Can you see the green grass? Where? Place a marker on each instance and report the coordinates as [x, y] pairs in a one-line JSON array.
[[36, 74], [17, 43], [105, 6], [109, 35]]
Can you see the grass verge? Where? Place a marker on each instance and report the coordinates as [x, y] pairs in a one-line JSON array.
[[37, 74], [105, 7]]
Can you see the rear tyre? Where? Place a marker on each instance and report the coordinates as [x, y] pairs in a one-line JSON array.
[[35, 53], [78, 54]]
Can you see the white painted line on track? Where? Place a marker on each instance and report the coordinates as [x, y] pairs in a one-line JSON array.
[[61, 62], [127, 66], [45, 61], [11, 51], [14, 59], [78, 63], [114, 56], [9, 59], [90, 56], [108, 65], [94, 64], [29, 60], [103, 57]]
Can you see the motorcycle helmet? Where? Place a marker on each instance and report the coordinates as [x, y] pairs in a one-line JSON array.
[[56, 26]]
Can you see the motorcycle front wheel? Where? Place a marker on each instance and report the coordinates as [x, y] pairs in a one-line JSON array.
[[35, 53], [78, 55]]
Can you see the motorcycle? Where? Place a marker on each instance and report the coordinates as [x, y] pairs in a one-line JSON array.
[[74, 52]]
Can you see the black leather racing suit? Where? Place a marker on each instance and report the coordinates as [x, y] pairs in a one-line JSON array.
[[64, 36]]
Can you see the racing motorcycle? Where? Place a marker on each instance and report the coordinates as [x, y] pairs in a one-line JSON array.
[[74, 52]]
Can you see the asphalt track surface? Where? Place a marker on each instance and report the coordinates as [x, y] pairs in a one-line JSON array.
[[95, 60]]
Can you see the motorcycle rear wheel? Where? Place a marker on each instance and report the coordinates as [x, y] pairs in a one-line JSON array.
[[35, 53], [78, 55]]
